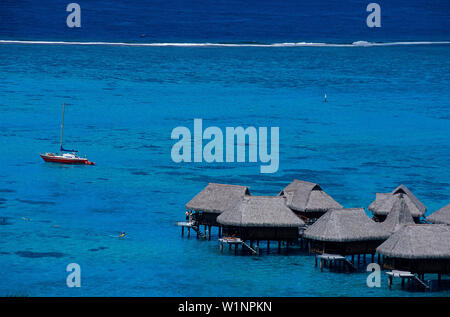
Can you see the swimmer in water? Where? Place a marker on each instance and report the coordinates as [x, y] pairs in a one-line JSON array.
[[121, 235]]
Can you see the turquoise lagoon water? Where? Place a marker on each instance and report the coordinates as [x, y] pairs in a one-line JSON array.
[[386, 122]]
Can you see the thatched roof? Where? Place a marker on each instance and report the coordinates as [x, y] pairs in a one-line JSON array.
[[418, 242], [216, 198], [399, 215], [384, 202], [343, 225], [440, 216], [260, 211], [308, 197]]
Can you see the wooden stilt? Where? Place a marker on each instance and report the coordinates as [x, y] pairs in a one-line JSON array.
[[189, 232], [321, 265], [182, 231], [373, 257], [209, 233], [315, 261], [378, 258], [279, 246]]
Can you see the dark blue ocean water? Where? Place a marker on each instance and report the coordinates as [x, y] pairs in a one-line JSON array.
[[386, 122], [226, 21]]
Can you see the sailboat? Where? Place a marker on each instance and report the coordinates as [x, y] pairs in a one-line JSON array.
[[65, 156]]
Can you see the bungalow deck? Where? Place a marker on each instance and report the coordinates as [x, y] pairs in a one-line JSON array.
[[404, 275], [236, 242]]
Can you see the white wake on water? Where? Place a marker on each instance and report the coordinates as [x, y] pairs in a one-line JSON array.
[[286, 44]]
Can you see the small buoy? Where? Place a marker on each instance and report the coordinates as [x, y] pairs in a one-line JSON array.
[[325, 98]]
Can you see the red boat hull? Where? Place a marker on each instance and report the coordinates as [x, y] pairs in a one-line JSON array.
[[61, 160]]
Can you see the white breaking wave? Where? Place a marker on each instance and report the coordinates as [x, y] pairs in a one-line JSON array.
[[288, 44]]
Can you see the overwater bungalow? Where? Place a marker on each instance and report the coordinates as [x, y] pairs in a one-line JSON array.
[[384, 202], [210, 203], [345, 232], [399, 215], [441, 216], [308, 200], [418, 248], [213, 200], [258, 218]]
